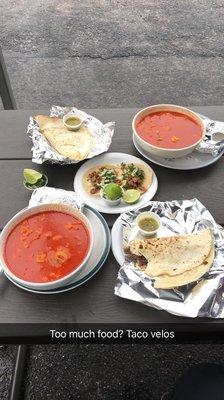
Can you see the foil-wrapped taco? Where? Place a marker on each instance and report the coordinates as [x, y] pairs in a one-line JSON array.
[[53, 140]]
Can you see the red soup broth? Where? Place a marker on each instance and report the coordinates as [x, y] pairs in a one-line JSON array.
[[46, 246], [169, 130]]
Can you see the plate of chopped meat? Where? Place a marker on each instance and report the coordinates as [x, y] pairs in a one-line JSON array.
[[114, 183]]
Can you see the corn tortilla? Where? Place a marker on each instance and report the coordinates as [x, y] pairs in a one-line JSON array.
[[87, 185]]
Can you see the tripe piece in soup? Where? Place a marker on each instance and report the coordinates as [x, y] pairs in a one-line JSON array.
[[46, 246], [169, 130]]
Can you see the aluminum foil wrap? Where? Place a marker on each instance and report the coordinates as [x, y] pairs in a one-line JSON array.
[[213, 142], [47, 195], [43, 152], [204, 298]]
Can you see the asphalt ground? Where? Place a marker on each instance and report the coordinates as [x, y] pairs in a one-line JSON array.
[[111, 372], [101, 53]]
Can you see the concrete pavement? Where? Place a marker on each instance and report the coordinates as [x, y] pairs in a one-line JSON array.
[[100, 53]]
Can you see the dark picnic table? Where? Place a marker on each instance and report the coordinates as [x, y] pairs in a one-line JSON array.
[[95, 300]]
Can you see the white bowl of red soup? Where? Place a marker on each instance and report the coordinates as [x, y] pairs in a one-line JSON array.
[[168, 130], [45, 246]]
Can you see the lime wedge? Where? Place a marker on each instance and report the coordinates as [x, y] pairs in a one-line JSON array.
[[131, 196], [31, 176], [112, 191]]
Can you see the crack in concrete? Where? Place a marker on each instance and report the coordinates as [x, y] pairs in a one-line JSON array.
[[114, 57]]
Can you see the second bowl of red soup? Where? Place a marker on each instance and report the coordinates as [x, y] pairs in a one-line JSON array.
[[45, 246], [168, 130]]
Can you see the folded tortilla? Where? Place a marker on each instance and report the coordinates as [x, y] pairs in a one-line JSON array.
[[173, 255], [75, 145], [46, 122], [192, 275]]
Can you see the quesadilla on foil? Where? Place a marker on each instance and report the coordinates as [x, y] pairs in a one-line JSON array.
[[174, 261], [75, 145]]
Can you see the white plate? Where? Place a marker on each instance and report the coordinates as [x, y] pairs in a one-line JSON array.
[[97, 202], [117, 241], [101, 247], [194, 160]]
